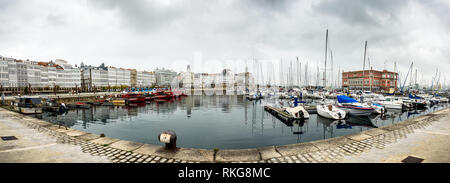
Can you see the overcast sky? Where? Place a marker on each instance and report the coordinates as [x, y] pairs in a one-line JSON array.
[[211, 35]]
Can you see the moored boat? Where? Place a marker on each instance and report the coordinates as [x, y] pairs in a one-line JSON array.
[[392, 103], [352, 107], [378, 109], [118, 102], [297, 112], [134, 97], [330, 111], [163, 95], [28, 105]]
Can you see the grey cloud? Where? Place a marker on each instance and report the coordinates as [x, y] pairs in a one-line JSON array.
[[439, 9], [57, 20], [141, 15], [148, 34], [361, 12]]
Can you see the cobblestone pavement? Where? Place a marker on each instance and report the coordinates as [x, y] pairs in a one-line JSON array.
[[335, 150]]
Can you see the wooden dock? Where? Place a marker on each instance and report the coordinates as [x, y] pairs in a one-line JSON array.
[[281, 114]]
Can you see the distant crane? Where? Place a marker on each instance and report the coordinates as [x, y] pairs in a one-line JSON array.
[[406, 77]]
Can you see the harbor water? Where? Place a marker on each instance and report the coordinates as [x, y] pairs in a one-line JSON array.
[[223, 122]]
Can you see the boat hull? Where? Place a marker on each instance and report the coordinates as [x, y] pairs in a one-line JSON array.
[[118, 102], [322, 111], [393, 106], [419, 105], [31, 110], [355, 111]]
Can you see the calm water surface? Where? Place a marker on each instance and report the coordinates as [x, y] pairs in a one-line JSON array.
[[224, 122]]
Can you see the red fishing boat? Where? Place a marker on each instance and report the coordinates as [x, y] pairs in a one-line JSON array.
[[134, 97], [163, 95], [148, 96]]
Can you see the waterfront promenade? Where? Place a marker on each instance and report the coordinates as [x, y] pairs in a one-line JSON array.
[[426, 137], [67, 95]]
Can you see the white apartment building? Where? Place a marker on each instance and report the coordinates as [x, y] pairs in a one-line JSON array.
[[68, 76], [124, 77], [44, 76], [33, 74], [4, 76], [112, 76], [186, 80], [164, 77], [52, 75], [12, 73], [118, 77], [95, 77], [145, 79], [21, 71]]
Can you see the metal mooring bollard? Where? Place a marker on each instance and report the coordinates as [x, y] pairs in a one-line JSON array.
[[169, 138]]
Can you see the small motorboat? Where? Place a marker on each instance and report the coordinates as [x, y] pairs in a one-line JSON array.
[[28, 105], [330, 111], [297, 112], [254, 96], [82, 105], [163, 95], [50, 106], [134, 97], [118, 102]]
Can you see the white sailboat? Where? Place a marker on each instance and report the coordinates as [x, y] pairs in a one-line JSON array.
[[330, 111]]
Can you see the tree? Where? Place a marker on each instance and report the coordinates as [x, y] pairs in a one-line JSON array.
[[26, 90]]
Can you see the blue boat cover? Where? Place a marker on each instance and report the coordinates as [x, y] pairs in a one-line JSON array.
[[344, 126], [345, 99], [377, 105], [414, 97]]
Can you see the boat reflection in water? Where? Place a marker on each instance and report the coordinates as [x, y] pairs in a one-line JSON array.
[[360, 121], [224, 122]]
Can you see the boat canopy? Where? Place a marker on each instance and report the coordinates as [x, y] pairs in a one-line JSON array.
[[375, 104], [414, 97], [345, 99]]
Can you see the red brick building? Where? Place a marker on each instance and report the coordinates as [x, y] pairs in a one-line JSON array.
[[381, 81]]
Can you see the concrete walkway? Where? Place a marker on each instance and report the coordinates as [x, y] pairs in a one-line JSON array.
[[431, 144], [32, 146], [426, 137]]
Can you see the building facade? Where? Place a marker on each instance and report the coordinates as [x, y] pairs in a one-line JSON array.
[[381, 81], [145, 79], [164, 77], [33, 74], [4, 72], [68, 76]]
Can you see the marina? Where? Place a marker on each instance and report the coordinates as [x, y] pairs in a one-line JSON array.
[[229, 122]]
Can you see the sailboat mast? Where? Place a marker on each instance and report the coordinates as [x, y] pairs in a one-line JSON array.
[[331, 75], [318, 76], [298, 74], [370, 72], [290, 74], [364, 65], [339, 78], [325, 73]]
